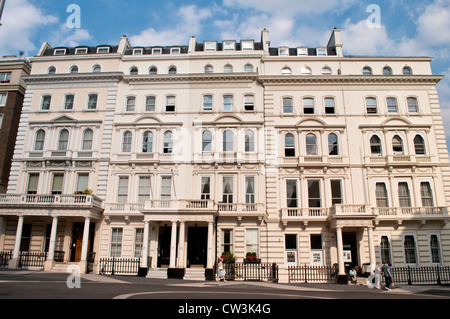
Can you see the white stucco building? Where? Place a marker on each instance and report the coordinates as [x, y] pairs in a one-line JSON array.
[[301, 155]]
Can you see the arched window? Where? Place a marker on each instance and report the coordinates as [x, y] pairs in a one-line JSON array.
[[51, 70], [63, 140], [419, 145], [209, 68], [286, 71], [326, 71], [412, 105], [311, 144], [206, 141], [375, 145], [88, 136], [333, 146], [367, 70], [134, 71], [126, 142], [168, 142], [407, 70], [249, 141], [289, 145], [227, 141], [385, 249], [305, 71], [248, 68], [147, 142], [228, 68], [397, 145], [387, 70], [39, 140], [172, 70], [153, 70], [74, 69], [96, 68], [371, 105], [392, 105]]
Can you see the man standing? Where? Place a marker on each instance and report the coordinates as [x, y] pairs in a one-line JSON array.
[[387, 275]]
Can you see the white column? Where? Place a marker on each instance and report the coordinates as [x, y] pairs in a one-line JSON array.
[[84, 248], [181, 239], [144, 263], [210, 253], [371, 247], [51, 249], [173, 245], [18, 237], [340, 251]]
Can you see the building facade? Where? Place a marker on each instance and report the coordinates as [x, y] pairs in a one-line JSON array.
[[177, 154]]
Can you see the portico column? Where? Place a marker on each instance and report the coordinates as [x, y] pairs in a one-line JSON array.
[[144, 263], [340, 251], [14, 262], [51, 248], [209, 256], [173, 245], [371, 247], [84, 248], [181, 259]]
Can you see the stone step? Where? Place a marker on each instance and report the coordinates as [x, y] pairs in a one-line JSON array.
[[159, 273], [64, 267], [194, 274]]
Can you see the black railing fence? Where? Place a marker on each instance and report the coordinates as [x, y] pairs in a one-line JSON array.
[[251, 271], [421, 275], [5, 256], [307, 273], [32, 260], [119, 266]]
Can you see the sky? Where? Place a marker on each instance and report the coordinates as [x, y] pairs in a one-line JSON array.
[[375, 28]]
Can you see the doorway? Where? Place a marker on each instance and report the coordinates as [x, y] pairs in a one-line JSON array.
[[164, 239], [197, 246], [77, 240], [350, 244]]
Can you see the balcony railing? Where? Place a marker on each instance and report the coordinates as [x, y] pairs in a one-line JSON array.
[[180, 204], [49, 200], [386, 212]]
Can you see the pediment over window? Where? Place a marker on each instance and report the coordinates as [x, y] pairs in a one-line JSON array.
[[228, 119], [64, 118], [311, 122], [147, 119], [401, 122]]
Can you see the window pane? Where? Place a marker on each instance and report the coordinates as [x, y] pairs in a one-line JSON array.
[[425, 192], [385, 249], [39, 142], [168, 143], [419, 145], [206, 141], [381, 195], [82, 182], [333, 148], [207, 103], [410, 249], [291, 193], [249, 189], [249, 141], [329, 105], [375, 145], [92, 102], [228, 103], [290, 241], [144, 189], [371, 105], [392, 104], [205, 187], [122, 192], [227, 193], [126, 143], [166, 187], [227, 141], [150, 103], [147, 142], [336, 194], [412, 105], [308, 106], [116, 242], [435, 249], [57, 183], [251, 236], [33, 180], [289, 145], [397, 144], [287, 105], [316, 241], [403, 195], [311, 144], [63, 140], [68, 103], [314, 193], [87, 139]]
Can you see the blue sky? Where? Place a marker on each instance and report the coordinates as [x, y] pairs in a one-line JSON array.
[[407, 28]]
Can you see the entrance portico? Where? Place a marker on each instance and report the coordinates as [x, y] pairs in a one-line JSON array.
[[188, 234]]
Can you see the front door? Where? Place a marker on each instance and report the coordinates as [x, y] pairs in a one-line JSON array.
[[350, 250], [197, 246], [164, 246], [77, 242]]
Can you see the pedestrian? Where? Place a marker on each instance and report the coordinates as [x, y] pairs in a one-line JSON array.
[[352, 274], [387, 275], [376, 273], [221, 270], [391, 274]]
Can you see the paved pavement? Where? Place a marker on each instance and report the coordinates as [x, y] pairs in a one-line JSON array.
[[179, 296]]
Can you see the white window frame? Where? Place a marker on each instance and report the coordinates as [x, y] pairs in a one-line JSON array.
[[59, 51], [404, 235], [81, 50], [102, 50]]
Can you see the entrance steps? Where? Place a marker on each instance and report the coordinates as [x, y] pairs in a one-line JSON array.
[[194, 274], [158, 273]]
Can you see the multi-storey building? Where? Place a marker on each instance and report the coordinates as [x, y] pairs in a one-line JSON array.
[[303, 156], [12, 90]]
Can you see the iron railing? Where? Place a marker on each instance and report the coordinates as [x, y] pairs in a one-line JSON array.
[[421, 275], [5, 256], [32, 259], [307, 273], [119, 266], [251, 271]]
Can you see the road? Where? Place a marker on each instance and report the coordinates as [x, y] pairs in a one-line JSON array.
[[188, 297]]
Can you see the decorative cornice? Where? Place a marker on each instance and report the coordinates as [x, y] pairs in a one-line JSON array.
[[350, 79], [70, 77], [192, 77]]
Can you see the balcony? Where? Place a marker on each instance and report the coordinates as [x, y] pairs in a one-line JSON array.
[[397, 160], [420, 214]]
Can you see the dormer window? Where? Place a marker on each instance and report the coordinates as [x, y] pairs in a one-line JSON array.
[[229, 45], [302, 51], [139, 51], [321, 51], [59, 52], [156, 51], [81, 51], [175, 50], [103, 50], [283, 51], [210, 45], [247, 45]]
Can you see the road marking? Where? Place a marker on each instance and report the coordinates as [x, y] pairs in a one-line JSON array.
[[253, 294]]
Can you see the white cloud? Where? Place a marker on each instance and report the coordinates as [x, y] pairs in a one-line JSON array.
[[190, 23], [20, 22], [65, 36]]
